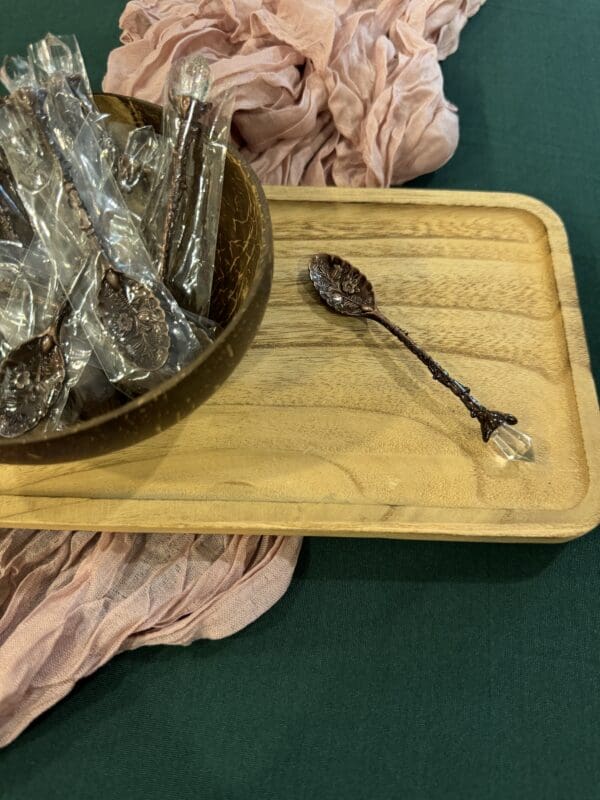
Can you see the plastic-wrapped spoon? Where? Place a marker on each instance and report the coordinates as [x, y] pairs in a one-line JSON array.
[[128, 310], [189, 84]]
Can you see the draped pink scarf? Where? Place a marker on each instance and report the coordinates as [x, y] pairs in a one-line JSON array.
[[328, 91]]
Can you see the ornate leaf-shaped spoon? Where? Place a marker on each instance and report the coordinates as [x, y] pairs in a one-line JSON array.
[[346, 290], [130, 313], [31, 377]]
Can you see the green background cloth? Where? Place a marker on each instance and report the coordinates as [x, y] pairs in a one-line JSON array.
[[390, 669]]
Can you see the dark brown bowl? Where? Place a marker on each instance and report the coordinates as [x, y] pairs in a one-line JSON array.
[[242, 282]]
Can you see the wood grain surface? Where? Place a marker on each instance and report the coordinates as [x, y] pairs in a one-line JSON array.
[[330, 427]]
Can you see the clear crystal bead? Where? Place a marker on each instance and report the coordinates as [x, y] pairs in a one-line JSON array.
[[512, 444], [55, 54], [190, 77]]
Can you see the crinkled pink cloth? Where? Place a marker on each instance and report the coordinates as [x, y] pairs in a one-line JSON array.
[[327, 91], [71, 601]]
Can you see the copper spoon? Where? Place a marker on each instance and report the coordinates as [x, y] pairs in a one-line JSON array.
[[346, 290]]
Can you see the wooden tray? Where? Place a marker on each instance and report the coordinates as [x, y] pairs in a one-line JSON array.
[[330, 427]]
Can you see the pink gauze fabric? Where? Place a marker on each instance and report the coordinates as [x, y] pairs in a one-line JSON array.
[[328, 92], [70, 601]]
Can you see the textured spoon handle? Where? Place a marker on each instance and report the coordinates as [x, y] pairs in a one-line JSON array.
[[7, 226], [488, 420], [35, 101], [189, 129]]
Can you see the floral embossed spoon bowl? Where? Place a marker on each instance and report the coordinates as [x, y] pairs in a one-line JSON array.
[[346, 290], [31, 377]]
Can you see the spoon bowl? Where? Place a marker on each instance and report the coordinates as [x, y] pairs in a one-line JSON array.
[[31, 376], [133, 318]]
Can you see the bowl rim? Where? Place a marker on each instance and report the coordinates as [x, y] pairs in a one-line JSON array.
[[264, 266]]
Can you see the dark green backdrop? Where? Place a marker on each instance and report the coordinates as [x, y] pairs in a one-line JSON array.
[[390, 669]]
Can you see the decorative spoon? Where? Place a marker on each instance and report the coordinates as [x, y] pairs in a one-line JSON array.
[[129, 312], [189, 85], [31, 377], [346, 290]]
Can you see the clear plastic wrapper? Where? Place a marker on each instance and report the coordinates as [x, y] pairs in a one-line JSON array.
[[137, 331], [29, 291], [191, 274], [57, 59], [51, 57], [16, 72], [55, 66], [14, 222], [183, 212], [175, 156], [93, 394], [136, 168], [16, 299], [43, 351], [133, 156], [153, 215], [206, 329], [41, 189], [77, 352], [16, 327], [176, 153], [139, 312], [60, 55], [138, 158], [138, 161]]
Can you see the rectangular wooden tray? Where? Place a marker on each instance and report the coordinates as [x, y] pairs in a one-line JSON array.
[[330, 427]]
